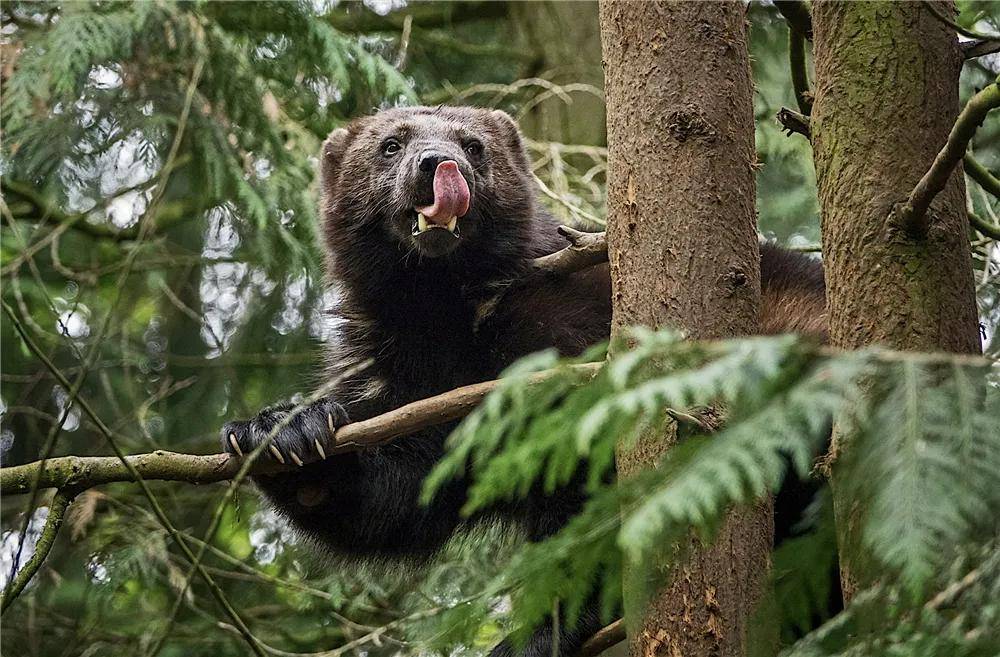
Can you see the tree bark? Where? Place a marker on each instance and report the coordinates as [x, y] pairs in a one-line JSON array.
[[683, 252], [886, 96]]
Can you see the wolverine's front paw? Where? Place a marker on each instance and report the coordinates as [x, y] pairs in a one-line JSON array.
[[293, 432]]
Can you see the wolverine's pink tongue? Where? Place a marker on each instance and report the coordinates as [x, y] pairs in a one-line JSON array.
[[451, 194]]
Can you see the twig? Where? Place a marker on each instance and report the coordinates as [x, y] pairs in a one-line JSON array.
[[792, 121], [981, 175], [912, 213], [797, 14], [569, 206], [85, 472], [585, 250], [57, 513], [603, 639]]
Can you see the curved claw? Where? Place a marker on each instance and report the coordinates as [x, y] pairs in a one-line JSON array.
[[277, 454]]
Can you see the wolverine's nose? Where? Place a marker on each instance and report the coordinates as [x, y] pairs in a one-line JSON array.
[[429, 161]]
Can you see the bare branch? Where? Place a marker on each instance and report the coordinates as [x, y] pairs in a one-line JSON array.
[[603, 639], [980, 47], [792, 121], [585, 250], [912, 214], [84, 472]]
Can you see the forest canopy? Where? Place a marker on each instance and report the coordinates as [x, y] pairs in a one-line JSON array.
[[162, 273]]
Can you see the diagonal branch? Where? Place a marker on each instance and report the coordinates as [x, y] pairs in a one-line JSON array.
[[912, 214], [984, 227], [980, 47], [603, 639], [981, 175], [585, 250], [950, 22], [57, 513], [84, 472]]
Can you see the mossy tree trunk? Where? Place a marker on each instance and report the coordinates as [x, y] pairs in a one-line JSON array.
[[886, 96], [683, 251]]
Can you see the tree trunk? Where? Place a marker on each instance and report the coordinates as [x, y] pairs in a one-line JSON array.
[[683, 252], [886, 95]]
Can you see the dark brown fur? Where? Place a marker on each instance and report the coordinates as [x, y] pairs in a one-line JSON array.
[[417, 325]]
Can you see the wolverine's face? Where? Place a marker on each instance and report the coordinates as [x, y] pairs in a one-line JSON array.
[[433, 180]]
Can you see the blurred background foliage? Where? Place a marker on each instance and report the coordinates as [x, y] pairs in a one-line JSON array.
[[160, 242]]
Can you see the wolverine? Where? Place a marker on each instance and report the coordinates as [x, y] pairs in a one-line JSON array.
[[429, 214]]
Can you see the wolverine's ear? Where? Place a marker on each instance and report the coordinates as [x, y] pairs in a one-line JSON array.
[[511, 135], [331, 157]]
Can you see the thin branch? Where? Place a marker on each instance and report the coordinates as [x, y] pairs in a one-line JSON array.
[[964, 31], [800, 74], [980, 47], [912, 214], [603, 639], [986, 228], [57, 513], [797, 15], [981, 175], [84, 472], [585, 250], [792, 121]]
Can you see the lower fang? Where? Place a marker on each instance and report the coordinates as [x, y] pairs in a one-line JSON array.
[[453, 224], [421, 222]]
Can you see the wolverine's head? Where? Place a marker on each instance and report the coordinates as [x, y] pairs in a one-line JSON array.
[[441, 183]]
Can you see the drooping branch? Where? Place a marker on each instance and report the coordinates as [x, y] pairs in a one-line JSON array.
[[585, 250], [800, 74], [57, 513], [984, 227], [964, 31], [981, 175], [912, 214], [796, 12], [82, 472]]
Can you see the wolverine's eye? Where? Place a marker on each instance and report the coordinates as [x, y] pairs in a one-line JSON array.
[[474, 148], [390, 147]]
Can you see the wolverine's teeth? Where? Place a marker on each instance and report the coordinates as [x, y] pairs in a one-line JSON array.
[[452, 224], [235, 444], [421, 222]]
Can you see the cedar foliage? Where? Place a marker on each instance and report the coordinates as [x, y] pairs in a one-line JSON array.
[[923, 468]]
